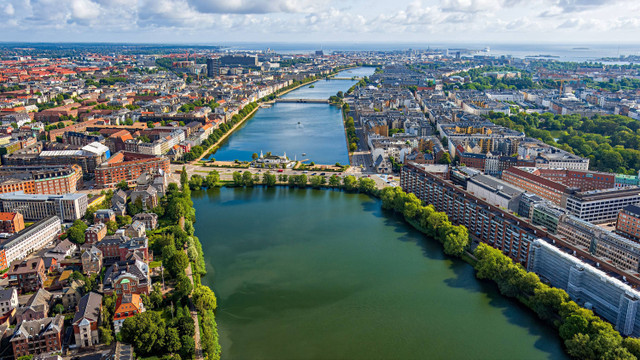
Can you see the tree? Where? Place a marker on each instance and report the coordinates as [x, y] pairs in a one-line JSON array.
[[188, 346], [247, 178], [144, 331], [212, 179], [58, 309], [112, 226], [237, 179], [445, 159], [122, 185], [349, 182], [172, 340], [316, 181], [184, 178], [123, 220], [183, 286], [456, 241], [269, 179], [177, 263], [106, 336], [254, 156], [334, 181], [76, 231], [633, 345], [546, 301], [204, 298], [366, 185], [186, 326]]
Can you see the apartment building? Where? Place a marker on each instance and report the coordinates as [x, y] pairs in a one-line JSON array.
[[95, 233], [485, 222], [11, 222], [28, 276], [41, 180], [38, 336], [28, 240], [127, 166], [68, 207], [628, 223], [590, 287], [8, 300]]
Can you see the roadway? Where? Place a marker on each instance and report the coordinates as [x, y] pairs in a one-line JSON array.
[[226, 173], [362, 156]]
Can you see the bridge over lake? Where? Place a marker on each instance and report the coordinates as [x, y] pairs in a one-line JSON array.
[[313, 101]]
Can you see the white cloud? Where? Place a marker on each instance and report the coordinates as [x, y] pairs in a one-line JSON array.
[[327, 20]]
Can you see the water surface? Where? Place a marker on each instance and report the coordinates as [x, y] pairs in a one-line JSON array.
[[316, 274], [302, 131]]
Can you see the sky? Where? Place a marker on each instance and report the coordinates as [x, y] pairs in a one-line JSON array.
[[318, 21]]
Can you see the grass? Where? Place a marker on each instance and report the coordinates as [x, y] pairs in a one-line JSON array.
[[155, 264]]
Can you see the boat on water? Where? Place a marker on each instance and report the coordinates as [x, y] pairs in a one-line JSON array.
[[311, 86], [304, 154]]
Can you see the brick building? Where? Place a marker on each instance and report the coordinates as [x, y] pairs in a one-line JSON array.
[[45, 180], [11, 222], [95, 233], [127, 166], [38, 336], [628, 223], [28, 276]]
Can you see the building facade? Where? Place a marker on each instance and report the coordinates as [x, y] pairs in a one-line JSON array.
[[127, 166], [29, 240], [628, 223], [11, 222], [69, 207], [589, 287], [38, 336]]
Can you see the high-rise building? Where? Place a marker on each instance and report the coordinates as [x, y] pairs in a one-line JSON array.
[[213, 67]]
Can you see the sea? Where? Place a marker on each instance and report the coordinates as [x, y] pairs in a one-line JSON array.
[[560, 52]]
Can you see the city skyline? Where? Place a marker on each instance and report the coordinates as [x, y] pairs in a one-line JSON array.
[[215, 21]]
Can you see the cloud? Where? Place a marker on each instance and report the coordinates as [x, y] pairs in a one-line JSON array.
[[256, 6], [9, 10], [306, 20]]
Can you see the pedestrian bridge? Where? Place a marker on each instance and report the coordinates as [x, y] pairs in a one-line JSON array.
[[314, 101], [347, 78]]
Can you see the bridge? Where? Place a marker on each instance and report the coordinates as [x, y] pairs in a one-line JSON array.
[[346, 78], [313, 101]]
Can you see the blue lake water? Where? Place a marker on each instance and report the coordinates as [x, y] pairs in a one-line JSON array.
[[315, 130]]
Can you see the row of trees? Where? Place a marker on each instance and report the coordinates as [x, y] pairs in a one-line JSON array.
[[349, 183], [611, 142], [219, 132], [434, 224], [152, 333], [585, 335], [480, 82], [198, 182], [350, 128]]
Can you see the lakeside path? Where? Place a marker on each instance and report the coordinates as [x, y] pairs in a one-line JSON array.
[[194, 315]]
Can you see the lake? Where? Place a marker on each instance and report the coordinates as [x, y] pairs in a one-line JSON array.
[[321, 274], [302, 131]]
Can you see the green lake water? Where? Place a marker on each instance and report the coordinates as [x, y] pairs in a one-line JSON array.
[[320, 274]]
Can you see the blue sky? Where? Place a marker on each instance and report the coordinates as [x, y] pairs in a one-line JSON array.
[[426, 21]]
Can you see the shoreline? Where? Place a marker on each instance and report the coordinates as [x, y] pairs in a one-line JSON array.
[[224, 136]]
